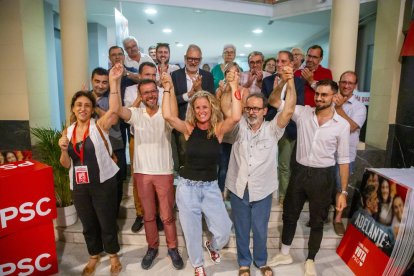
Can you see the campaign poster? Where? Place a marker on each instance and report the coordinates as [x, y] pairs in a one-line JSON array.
[[376, 215]]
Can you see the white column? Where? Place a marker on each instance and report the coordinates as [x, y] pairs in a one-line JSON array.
[[343, 36], [74, 38]]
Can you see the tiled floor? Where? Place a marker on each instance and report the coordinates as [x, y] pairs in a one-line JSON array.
[[73, 256]]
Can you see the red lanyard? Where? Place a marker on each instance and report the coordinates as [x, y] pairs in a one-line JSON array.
[[82, 148]]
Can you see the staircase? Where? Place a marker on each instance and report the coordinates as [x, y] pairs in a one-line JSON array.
[[73, 234]]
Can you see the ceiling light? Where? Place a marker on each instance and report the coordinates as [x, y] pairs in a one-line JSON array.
[[257, 31], [248, 45], [150, 11], [167, 30], [198, 11], [242, 55], [179, 44]]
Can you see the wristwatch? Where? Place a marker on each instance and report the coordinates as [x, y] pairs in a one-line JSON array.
[[344, 193], [127, 74], [313, 85]]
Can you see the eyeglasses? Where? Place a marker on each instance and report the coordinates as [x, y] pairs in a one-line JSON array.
[[257, 62], [346, 83], [312, 57], [254, 109], [131, 47], [193, 59], [228, 52], [147, 93]]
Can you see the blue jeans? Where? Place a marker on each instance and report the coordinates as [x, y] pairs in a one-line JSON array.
[[251, 216], [194, 198]]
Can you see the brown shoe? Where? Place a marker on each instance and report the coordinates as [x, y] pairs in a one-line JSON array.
[[339, 228], [116, 265], [266, 271], [91, 266]]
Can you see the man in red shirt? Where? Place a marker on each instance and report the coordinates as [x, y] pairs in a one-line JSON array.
[[313, 72]]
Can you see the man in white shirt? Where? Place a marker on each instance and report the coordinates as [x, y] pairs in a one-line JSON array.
[[134, 57], [253, 78], [153, 165], [252, 164], [323, 141], [347, 106]]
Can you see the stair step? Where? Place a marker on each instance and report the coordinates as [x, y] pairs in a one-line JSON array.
[[73, 234]]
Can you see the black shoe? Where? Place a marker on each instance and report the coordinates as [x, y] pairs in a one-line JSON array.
[[160, 224], [149, 258], [137, 226], [176, 259]]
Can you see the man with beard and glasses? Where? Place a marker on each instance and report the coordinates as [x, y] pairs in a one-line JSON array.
[[153, 165], [323, 141], [147, 70], [162, 53], [253, 162]]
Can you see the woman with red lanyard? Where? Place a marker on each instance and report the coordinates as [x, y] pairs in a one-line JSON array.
[[85, 149]]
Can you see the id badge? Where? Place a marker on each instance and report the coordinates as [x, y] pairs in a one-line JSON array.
[[81, 175]]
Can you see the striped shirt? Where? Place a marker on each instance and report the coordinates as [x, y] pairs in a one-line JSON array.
[[152, 138]]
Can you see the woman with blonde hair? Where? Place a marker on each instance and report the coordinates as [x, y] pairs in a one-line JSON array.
[[198, 191]]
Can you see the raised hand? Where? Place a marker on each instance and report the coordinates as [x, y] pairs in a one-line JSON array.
[[197, 83], [116, 72], [166, 81], [64, 141], [287, 73], [339, 100], [259, 75], [307, 75], [232, 78]]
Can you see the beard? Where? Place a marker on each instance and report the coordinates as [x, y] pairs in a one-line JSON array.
[[252, 120], [322, 107]]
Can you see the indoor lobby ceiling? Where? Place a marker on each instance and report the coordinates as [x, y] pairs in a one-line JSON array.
[[214, 23]]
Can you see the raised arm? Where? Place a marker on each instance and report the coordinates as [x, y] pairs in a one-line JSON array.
[[63, 144], [290, 102], [232, 79], [115, 104], [169, 105]]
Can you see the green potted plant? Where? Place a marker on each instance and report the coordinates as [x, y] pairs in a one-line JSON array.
[[48, 151]]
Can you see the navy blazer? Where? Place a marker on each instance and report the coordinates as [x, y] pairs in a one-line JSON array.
[[267, 88], [180, 87]]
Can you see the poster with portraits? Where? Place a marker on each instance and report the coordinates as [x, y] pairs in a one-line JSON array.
[[11, 156], [380, 237]]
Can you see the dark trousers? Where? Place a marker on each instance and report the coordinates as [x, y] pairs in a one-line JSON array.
[[120, 175], [225, 150], [314, 185], [95, 204]]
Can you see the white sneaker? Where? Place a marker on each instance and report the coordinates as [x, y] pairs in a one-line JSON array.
[[310, 269], [280, 259]]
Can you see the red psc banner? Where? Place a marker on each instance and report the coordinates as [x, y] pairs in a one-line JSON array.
[[29, 252], [26, 196]]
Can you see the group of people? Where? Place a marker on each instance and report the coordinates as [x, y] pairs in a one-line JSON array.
[[226, 130], [13, 156]]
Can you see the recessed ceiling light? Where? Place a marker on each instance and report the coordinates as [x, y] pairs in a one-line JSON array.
[[248, 45], [198, 11], [167, 30], [242, 55], [257, 31], [179, 44], [150, 11]]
